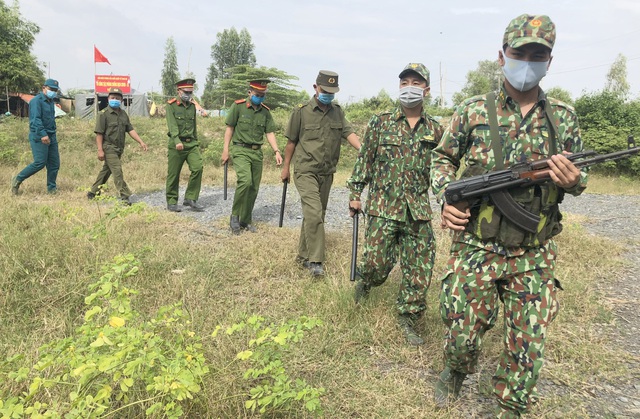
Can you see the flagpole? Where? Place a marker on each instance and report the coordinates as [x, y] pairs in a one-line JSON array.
[[95, 91]]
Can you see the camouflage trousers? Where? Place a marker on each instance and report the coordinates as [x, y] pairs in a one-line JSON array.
[[475, 281], [413, 243]]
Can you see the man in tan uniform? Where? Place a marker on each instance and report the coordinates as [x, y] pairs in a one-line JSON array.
[[314, 133]]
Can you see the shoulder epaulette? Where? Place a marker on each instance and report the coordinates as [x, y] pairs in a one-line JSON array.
[[561, 104], [172, 100], [474, 99], [265, 106], [240, 101], [301, 105]]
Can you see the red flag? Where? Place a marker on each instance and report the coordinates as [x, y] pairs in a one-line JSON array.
[[98, 57]]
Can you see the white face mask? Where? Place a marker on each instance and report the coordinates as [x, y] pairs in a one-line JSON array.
[[524, 75], [411, 96]]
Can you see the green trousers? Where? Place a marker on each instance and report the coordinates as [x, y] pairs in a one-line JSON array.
[[412, 242], [176, 159], [112, 166], [475, 283], [248, 166], [314, 195]]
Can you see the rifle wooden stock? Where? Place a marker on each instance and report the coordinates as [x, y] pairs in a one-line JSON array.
[[284, 199], [354, 247], [226, 169]]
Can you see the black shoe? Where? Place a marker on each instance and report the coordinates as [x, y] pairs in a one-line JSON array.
[[316, 269], [248, 227], [125, 201], [193, 204], [174, 208], [303, 262], [234, 223], [90, 195]]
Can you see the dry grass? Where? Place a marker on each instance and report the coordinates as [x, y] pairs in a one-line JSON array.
[[47, 259]]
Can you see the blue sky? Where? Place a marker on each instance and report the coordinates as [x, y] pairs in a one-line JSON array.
[[367, 42]]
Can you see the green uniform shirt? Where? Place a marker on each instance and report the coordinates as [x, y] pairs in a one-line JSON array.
[[181, 122], [394, 161], [318, 136], [250, 125], [113, 124], [467, 140]]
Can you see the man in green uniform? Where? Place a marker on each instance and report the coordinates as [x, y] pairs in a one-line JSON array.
[[111, 126], [42, 138], [394, 161], [493, 259], [247, 123], [314, 133], [183, 146]]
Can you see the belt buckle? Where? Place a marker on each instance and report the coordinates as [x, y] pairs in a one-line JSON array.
[[255, 147], [187, 140]]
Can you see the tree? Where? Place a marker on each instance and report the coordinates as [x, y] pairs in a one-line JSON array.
[[231, 49], [617, 78], [486, 78], [560, 94], [170, 75], [281, 91], [19, 69]]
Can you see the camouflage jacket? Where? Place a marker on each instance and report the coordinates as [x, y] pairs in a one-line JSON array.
[[467, 141], [394, 162]]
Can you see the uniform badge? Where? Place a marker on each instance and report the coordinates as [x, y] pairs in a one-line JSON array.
[[331, 80], [536, 23]]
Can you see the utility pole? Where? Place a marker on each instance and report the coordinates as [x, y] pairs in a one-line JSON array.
[[441, 87]]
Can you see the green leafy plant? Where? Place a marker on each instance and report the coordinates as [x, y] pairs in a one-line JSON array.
[[115, 363], [272, 388]]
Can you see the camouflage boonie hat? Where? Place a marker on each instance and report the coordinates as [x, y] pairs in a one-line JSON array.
[[528, 29], [328, 81], [417, 68]]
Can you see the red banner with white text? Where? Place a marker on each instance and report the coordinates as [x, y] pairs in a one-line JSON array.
[[104, 83]]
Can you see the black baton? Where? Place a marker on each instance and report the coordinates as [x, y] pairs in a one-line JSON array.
[[354, 247], [226, 169], [284, 199]]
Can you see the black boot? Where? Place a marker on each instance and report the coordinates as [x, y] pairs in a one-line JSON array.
[[234, 223]]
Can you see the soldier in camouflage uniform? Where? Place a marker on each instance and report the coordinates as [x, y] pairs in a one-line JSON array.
[[491, 258], [394, 162], [314, 138]]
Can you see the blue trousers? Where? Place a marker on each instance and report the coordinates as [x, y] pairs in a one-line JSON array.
[[44, 155]]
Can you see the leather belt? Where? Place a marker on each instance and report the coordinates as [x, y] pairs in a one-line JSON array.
[[251, 146], [185, 139]]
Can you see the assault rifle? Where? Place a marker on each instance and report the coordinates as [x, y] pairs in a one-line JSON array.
[[496, 184]]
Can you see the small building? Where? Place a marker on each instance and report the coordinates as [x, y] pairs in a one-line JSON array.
[[134, 103]]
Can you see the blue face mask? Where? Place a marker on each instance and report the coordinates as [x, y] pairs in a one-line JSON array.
[[325, 98], [51, 94], [114, 103], [257, 100]]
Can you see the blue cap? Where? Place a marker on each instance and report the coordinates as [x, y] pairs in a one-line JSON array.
[[51, 83]]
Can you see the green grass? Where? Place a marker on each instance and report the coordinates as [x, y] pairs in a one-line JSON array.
[[47, 258]]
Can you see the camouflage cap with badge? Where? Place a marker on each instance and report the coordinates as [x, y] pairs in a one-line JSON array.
[[530, 29], [417, 68], [328, 81]]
